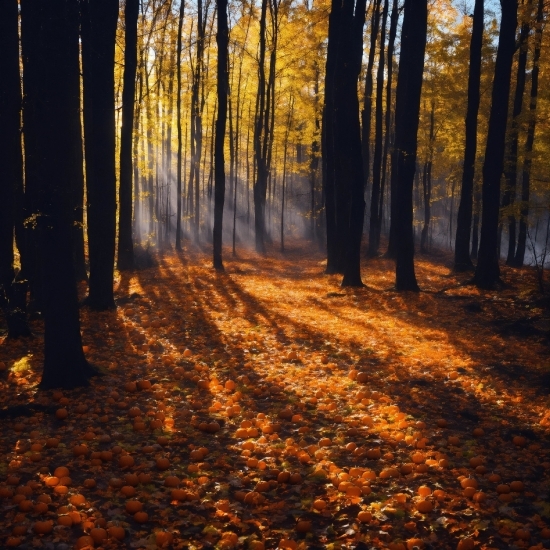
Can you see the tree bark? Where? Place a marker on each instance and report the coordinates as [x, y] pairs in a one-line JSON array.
[[388, 121], [125, 234], [407, 110], [99, 22], [374, 227], [366, 113], [31, 21], [487, 272], [260, 131], [11, 167], [64, 361], [427, 185], [178, 124], [462, 261], [511, 167], [222, 39], [527, 158], [341, 141]]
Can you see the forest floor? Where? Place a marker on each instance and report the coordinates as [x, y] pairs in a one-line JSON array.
[[275, 409]]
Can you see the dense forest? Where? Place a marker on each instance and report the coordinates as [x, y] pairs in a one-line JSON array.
[[272, 274]]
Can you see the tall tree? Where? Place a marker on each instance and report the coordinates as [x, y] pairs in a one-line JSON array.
[[528, 151], [427, 184], [222, 39], [511, 164], [11, 167], [407, 110], [64, 361], [462, 261], [487, 271], [374, 227], [366, 113], [342, 156], [31, 21], [98, 28], [125, 236], [178, 124]]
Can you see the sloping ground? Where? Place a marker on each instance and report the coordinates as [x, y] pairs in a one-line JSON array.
[[275, 409]]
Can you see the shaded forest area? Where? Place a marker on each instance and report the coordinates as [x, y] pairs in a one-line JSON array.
[[272, 275]]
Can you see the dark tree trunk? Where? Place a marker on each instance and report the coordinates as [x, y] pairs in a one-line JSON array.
[[511, 167], [475, 223], [463, 261], [222, 39], [98, 28], [388, 119], [427, 185], [487, 272], [260, 132], [344, 177], [407, 110], [76, 151], [366, 113], [527, 158], [11, 168], [31, 20], [125, 236], [178, 124], [64, 361], [13, 294], [374, 229]]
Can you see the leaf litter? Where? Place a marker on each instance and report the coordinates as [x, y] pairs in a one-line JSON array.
[[266, 407]]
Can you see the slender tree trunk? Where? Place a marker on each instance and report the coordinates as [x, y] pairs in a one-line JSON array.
[[427, 185], [31, 22], [11, 168], [511, 166], [528, 151], [178, 123], [99, 22], [388, 119], [260, 130], [222, 39], [374, 229], [366, 113], [463, 261], [285, 152], [487, 271], [64, 361], [407, 110], [125, 236], [475, 223]]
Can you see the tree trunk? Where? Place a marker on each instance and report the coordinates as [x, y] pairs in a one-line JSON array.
[[527, 158], [11, 168], [366, 113], [31, 21], [76, 150], [487, 272], [178, 123], [343, 174], [388, 121], [374, 229], [64, 361], [125, 236], [427, 185], [463, 261], [260, 131], [511, 167], [285, 152], [222, 39], [99, 23], [407, 110]]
